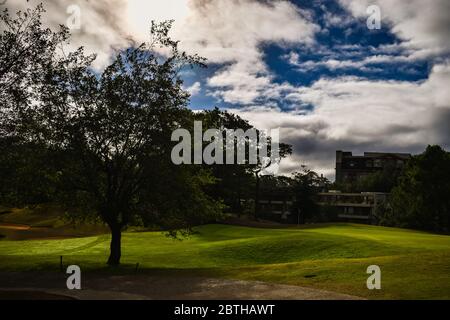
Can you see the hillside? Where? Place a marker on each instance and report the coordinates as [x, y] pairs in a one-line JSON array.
[[329, 256]]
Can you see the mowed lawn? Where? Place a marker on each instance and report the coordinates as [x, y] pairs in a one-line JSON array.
[[414, 265]]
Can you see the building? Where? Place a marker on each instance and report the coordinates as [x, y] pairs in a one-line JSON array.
[[350, 168], [277, 204], [345, 207], [355, 207], [340, 206]]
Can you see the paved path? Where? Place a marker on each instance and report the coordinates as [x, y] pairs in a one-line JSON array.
[[138, 287]]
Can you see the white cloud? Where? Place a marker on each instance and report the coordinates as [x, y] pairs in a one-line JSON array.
[[220, 30], [348, 112], [232, 32], [194, 89], [224, 31], [361, 115], [103, 28], [361, 58], [422, 24]]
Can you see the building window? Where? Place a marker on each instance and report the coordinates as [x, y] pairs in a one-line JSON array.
[[378, 163]]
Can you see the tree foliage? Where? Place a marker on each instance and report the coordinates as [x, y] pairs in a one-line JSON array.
[[307, 184], [421, 199], [27, 52], [106, 135]]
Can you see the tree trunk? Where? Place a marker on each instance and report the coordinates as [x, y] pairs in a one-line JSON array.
[[115, 248], [239, 207], [256, 197]]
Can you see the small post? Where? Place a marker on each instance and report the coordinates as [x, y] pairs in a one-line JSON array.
[[137, 266], [61, 263]]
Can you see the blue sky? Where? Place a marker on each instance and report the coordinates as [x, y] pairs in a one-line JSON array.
[[311, 68], [350, 40]]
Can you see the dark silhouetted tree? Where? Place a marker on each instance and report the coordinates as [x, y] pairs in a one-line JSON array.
[[28, 52], [306, 185], [108, 133], [421, 199]]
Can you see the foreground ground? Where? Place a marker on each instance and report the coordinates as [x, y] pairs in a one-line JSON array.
[[332, 257], [98, 286]]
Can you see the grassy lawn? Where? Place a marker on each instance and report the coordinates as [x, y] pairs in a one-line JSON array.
[[329, 256]]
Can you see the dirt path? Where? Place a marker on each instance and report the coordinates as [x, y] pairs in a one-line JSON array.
[[14, 226], [138, 287], [15, 231]]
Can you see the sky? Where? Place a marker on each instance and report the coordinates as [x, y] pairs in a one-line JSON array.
[[312, 68]]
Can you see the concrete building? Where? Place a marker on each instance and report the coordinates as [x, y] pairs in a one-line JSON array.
[[354, 207], [277, 204], [348, 207], [350, 168]]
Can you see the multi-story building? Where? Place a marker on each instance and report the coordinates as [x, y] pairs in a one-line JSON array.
[[350, 168], [353, 207], [356, 207]]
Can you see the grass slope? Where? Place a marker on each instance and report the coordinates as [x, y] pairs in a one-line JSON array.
[[40, 216], [47, 222], [330, 256]]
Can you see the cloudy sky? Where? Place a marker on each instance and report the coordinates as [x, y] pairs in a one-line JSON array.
[[312, 68]]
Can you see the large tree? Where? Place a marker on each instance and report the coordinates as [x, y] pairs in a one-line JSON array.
[[108, 133], [115, 129], [283, 151], [307, 184], [235, 180], [421, 199]]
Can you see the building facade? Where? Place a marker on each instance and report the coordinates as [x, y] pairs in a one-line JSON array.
[[354, 207], [351, 207], [351, 168], [346, 207]]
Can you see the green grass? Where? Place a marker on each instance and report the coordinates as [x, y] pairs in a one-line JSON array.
[[414, 265], [42, 215]]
